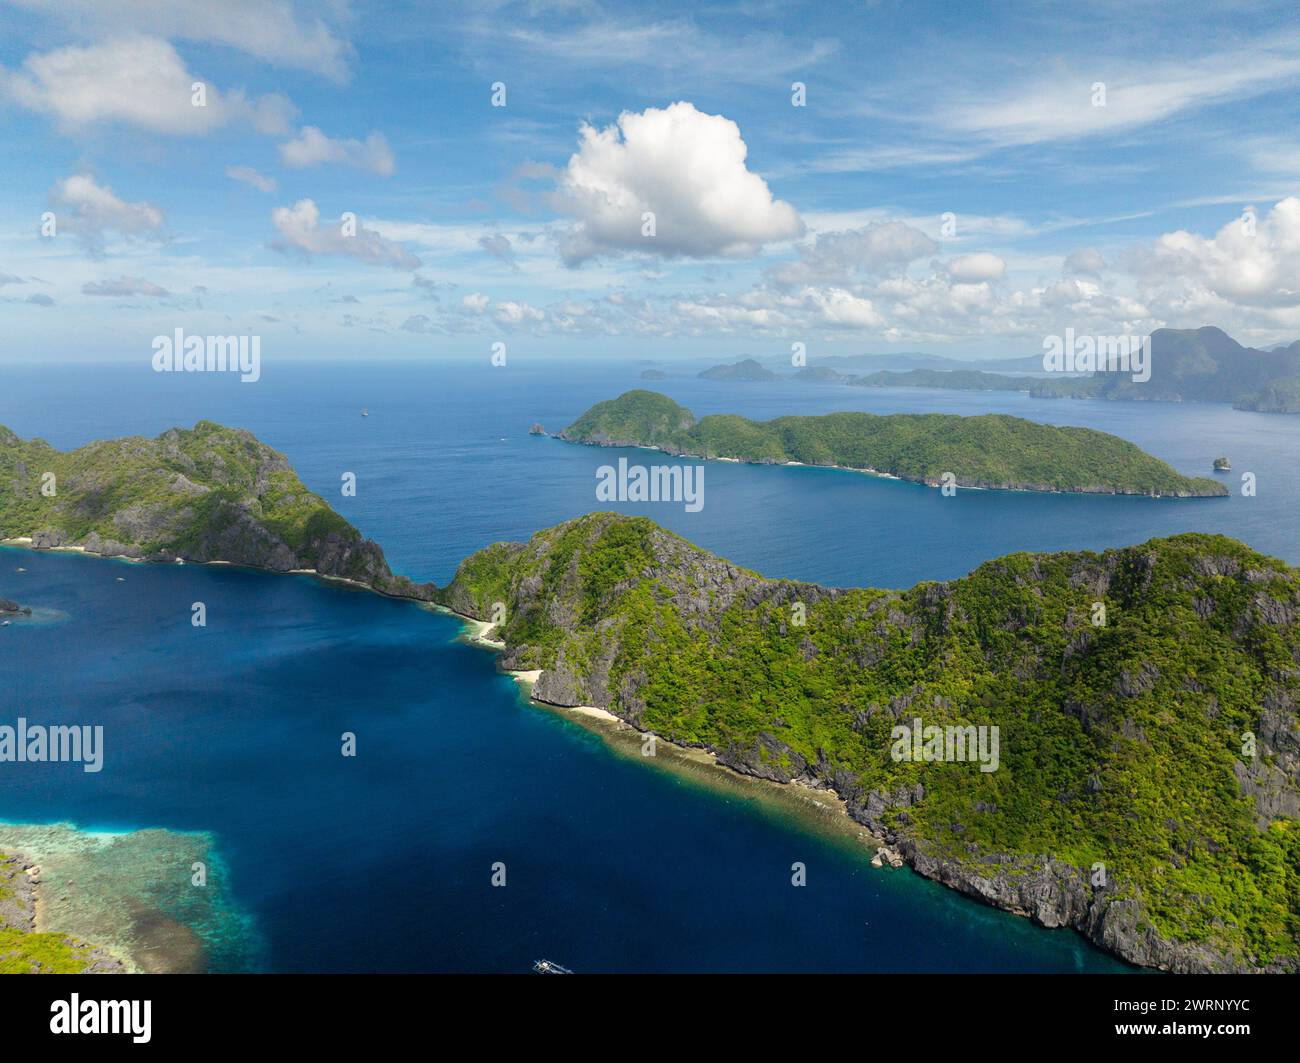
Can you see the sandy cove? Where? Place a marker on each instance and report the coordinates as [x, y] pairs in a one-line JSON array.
[[819, 811]]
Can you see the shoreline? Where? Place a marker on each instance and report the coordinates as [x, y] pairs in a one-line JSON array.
[[24, 542], [792, 799], [820, 811], [797, 805], [1083, 492], [74, 884]]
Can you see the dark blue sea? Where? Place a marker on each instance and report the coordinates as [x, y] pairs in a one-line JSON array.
[[383, 861]]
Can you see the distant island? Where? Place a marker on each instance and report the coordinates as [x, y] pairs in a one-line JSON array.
[[1187, 365], [819, 374], [1200, 365], [989, 451], [208, 493], [748, 369], [905, 361], [950, 379], [1121, 742], [654, 374]]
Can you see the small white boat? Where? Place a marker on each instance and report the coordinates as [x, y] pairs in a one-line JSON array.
[[365, 412], [547, 967]]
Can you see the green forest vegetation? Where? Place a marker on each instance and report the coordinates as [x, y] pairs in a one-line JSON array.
[[209, 492], [1120, 744], [992, 450]]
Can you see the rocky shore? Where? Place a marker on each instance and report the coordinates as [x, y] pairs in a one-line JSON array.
[[25, 949], [578, 620], [206, 494]]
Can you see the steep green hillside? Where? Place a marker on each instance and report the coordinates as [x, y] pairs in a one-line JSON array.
[[205, 494], [1123, 745], [993, 450]]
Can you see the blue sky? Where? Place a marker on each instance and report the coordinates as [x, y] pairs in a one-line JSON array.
[[962, 178]]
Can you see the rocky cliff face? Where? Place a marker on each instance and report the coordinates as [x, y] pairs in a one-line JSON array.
[[1126, 805], [206, 494]]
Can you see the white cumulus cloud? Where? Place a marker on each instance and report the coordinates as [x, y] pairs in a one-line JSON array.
[[1253, 260], [685, 167], [841, 256], [975, 268]]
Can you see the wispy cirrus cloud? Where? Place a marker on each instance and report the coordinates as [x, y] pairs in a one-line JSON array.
[[246, 175], [270, 30], [1062, 105], [311, 147], [124, 286], [299, 229], [134, 80], [91, 211]]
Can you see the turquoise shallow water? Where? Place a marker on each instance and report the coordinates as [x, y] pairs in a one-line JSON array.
[[383, 861]]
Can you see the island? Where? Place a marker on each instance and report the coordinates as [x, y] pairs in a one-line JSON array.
[[993, 451], [1222, 465], [12, 608], [820, 374], [654, 374], [1126, 801], [747, 369], [1203, 365], [946, 379], [1105, 741], [204, 494]]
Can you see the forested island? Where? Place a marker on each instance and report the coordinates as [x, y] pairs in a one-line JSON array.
[[1146, 793], [747, 369], [988, 451], [1146, 697], [208, 493]]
